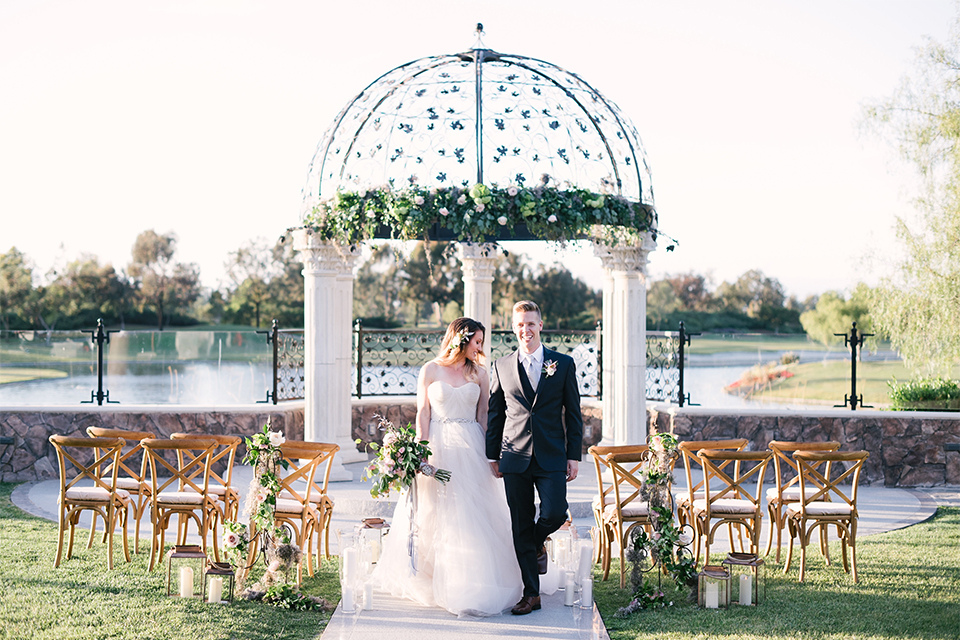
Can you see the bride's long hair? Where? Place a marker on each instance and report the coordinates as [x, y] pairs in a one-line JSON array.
[[453, 347]]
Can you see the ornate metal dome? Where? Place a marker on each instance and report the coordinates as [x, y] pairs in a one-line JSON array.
[[480, 117]]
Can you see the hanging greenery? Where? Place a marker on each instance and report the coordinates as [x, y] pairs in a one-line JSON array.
[[481, 213]]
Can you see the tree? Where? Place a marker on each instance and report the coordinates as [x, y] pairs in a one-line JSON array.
[[834, 314], [691, 291], [376, 288], [164, 284], [430, 281], [759, 297], [252, 268], [86, 291], [917, 303], [16, 285], [566, 302]]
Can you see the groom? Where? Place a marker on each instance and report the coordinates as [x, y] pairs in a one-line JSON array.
[[534, 435]]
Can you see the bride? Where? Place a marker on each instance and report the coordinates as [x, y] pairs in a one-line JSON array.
[[464, 558]]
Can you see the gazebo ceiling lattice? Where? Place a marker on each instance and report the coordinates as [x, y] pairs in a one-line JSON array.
[[442, 124]]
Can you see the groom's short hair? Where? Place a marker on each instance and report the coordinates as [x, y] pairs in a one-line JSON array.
[[527, 305]]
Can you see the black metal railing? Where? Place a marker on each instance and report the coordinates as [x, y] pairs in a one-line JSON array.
[[854, 340], [387, 361], [288, 359], [666, 358]]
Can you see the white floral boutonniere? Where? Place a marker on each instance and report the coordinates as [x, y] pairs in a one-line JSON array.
[[549, 367]]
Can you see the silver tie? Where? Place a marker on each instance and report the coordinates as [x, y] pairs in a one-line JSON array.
[[532, 374]]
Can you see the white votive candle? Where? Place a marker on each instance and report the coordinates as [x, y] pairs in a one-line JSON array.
[[585, 566], [216, 590], [746, 590], [713, 596], [586, 593], [368, 596], [348, 600], [186, 582], [569, 589]]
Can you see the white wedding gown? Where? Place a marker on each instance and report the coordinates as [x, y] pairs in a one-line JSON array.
[[465, 561]]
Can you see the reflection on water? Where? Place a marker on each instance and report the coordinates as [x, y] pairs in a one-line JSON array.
[[210, 383]]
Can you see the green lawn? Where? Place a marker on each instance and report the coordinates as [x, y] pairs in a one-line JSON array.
[[909, 588], [82, 600], [23, 374]]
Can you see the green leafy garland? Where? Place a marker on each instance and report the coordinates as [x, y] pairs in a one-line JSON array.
[[480, 213]]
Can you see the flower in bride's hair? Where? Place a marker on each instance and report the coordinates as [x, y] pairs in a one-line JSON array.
[[459, 339]]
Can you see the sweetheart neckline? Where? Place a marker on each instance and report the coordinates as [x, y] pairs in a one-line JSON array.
[[453, 387]]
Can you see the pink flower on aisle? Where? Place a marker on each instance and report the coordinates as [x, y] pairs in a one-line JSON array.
[[276, 438], [231, 539]]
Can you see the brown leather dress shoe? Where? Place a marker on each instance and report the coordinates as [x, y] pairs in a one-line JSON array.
[[526, 605], [542, 560]]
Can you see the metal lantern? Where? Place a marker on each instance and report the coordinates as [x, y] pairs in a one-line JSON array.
[[713, 587], [747, 577], [371, 533], [350, 570], [218, 583], [187, 562]]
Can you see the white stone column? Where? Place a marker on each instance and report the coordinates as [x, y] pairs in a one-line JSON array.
[[344, 366], [629, 314], [478, 264], [322, 419], [606, 368]]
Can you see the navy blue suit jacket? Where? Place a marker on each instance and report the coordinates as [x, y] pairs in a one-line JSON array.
[[522, 423]]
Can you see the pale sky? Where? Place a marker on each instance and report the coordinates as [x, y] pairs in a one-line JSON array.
[[200, 117]]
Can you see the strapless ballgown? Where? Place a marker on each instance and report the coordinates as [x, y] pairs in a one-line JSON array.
[[465, 561]]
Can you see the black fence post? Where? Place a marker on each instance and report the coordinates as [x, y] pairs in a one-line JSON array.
[[854, 341], [684, 342], [100, 336], [600, 359], [359, 329], [273, 335]]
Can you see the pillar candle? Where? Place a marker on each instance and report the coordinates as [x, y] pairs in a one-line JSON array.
[[585, 566], [351, 565], [713, 596], [216, 590], [569, 589], [368, 596], [586, 593], [348, 600], [375, 544], [186, 582], [746, 590]]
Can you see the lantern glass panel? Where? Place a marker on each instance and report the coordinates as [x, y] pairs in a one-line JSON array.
[[713, 587], [185, 566], [748, 582], [219, 577]]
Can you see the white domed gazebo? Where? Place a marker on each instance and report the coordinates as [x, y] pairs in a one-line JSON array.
[[476, 147]]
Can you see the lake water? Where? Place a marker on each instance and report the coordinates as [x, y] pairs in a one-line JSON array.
[[226, 384]]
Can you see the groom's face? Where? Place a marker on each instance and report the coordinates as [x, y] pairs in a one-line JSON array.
[[527, 326]]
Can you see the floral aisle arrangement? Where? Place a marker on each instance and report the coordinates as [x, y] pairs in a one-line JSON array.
[[281, 554], [399, 459], [666, 548], [478, 213]]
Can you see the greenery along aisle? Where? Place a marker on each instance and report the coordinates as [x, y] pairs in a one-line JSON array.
[[81, 600], [909, 588]]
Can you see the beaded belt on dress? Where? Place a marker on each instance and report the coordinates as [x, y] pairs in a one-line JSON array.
[[456, 420]]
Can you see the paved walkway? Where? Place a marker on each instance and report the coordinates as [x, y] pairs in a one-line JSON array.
[[881, 509]]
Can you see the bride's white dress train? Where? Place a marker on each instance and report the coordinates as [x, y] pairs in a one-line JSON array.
[[465, 562]]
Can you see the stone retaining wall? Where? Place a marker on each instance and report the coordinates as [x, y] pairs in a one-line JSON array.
[[906, 448]]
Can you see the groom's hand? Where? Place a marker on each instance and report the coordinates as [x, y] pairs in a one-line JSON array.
[[495, 467], [573, 466]]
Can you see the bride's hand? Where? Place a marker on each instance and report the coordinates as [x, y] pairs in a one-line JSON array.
[[495, 467]]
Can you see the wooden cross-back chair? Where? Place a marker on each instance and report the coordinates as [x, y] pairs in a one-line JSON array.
[[787, 478], [304, 504], [226, 496], [184, 493], [85, 486], [823, 502], [618, 499], [132, 475], [693, 472], [728, 498]]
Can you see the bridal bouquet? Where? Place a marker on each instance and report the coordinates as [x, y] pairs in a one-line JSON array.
[[399, 459]]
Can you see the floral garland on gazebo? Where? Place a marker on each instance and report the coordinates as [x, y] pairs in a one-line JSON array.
[[479, 213]]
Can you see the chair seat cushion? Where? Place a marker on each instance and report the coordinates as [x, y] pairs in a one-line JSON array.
[[180, 497], [632, 510], [285, 505], [218, 490], [132, 484], [683, 497], [94, 494], [789, 495], [822, 508], [315, 497], [726, 505]]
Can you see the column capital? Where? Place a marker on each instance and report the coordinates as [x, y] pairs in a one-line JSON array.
[[626, 257], [320, 256], [478, 260]]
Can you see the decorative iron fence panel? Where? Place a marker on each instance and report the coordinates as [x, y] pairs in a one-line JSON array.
[[290, 365], [388, 361], [665, 362]]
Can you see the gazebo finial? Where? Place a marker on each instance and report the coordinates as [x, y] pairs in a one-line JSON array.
[[479, 43]]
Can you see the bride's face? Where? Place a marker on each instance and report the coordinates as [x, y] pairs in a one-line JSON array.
[[475, 346]]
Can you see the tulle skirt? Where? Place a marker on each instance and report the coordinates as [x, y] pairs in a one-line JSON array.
[[463, 545]]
